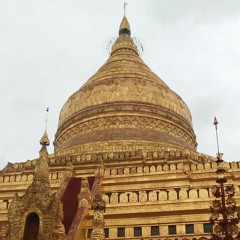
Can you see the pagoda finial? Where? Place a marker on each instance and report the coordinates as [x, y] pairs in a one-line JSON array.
[[47, 110], [124, 26], [219, 155], [44, 141], [124, 7]]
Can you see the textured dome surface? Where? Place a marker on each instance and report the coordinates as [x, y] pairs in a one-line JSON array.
[[124, 101]]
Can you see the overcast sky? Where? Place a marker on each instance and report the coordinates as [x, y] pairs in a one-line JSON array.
[[49, 48]]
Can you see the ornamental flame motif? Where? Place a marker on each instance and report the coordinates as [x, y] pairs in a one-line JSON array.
[[224, 217]]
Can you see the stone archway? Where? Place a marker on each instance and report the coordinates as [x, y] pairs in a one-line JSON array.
[[31, 228]]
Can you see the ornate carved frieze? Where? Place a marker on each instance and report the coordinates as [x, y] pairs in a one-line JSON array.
[[155, 92], [157, 195], [130, 108], [122, 150], [126, 122]]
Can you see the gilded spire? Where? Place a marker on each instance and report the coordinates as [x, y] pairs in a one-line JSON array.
[[45, 140], [124, 26]]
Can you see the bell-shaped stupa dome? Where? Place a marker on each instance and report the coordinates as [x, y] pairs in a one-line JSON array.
[[124, 103]]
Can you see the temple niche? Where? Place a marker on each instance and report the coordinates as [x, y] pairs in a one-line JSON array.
[[31, 228], [125, 163]]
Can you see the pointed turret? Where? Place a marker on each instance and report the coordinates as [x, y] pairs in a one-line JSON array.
[[41, 168]]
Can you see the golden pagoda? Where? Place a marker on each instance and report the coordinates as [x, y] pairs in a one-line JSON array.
[[125, 164]]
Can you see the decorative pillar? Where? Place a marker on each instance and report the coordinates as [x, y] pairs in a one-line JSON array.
[[224, 218], [99, 207]]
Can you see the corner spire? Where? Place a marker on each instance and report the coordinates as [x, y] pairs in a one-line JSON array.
[[44, 141], [124, 26]]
